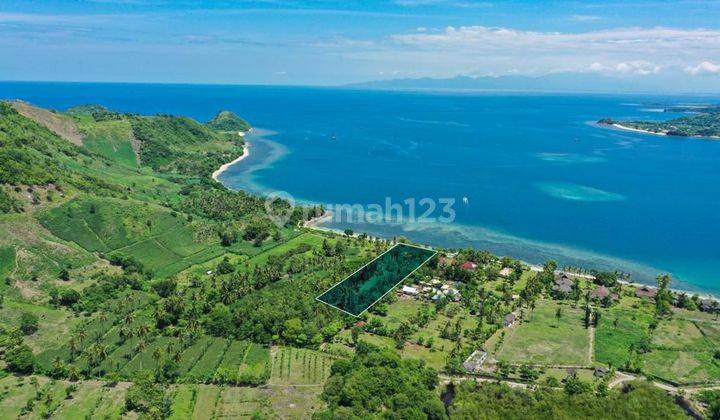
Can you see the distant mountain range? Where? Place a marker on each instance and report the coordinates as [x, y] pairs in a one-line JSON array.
[[558, 82]]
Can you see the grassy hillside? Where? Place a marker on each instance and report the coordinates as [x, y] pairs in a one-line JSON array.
[[228, 121]]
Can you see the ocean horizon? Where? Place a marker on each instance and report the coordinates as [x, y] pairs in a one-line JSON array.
[[532, 175]]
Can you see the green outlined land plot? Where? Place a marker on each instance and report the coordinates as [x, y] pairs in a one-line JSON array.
[[371, 282]]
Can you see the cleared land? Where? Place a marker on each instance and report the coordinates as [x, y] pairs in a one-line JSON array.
[[541, 338], [684, 351]]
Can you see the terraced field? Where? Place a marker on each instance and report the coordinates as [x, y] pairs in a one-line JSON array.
[[162, 241]]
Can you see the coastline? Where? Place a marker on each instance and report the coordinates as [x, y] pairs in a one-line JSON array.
[[225, 166], [637, 130], [315, 222], [658, 133], [320, 224]]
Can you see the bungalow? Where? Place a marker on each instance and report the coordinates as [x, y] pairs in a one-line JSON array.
[[506, 272], [563, 284], [469, 265], [646, 292], [601, 293], [445, 261], [709, 305], [510, 319], [410, 291]]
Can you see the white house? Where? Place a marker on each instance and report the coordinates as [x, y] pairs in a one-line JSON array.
[[410, 290]]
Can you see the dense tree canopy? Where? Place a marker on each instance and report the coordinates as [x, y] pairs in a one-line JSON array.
[[377, 383]]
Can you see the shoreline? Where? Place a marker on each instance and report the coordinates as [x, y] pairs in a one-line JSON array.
[[637, 130], [701, 295], [224, 167], [658, 133], [316, 223]]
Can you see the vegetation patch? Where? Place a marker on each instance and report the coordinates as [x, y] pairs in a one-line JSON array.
[[621, 332], [363, 288]]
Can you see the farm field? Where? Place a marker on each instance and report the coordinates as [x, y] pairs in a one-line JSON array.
[[160, 241], [543, 339], [679, 334], [83, 402], [621, 328], [183, 402], [256, 364], [308, 239], [89, 399], [229, 402], [292, 366], [683, 350], [37, 254], [54, 324], [204, 369], [240, 402], [205, 401], [683, 367]]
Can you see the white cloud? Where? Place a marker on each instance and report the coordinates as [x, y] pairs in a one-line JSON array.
[[482, 50], [478, 36], [703, 68], [584, 18], [642, 68], [469, 4]]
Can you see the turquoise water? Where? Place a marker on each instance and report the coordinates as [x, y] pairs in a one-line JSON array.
[[540, 178]]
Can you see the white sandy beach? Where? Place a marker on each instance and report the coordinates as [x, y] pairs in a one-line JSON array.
[[315, 221], [223, 168], [623, 127]]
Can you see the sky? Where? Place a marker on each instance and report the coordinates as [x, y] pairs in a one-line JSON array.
[[328, 42]]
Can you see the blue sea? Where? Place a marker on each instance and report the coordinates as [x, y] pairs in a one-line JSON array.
[[532, 175]]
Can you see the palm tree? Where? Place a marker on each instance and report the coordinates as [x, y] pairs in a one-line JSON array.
[[96, 354], [143, 330], [141, 346], [73, 347], [81, 335], [157, 355], [124, 332]]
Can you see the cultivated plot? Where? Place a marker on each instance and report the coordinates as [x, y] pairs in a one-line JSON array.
[[370, 283]]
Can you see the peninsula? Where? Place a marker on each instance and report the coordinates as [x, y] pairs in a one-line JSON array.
[[701, 124]]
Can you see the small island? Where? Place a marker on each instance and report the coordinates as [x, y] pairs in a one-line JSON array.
[[703, 124]]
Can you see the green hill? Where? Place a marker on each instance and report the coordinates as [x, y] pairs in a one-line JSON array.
[[228, 121]]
